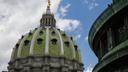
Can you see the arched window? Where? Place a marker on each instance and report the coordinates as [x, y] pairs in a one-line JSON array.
[[53, 32], [26, 42], [41, 32], [46, 22], [76, 47], [17, 45], [67, 43], [35, 28], [72, 38], [58, 29], [42, 21], [54, 41], [22, 37], [39, 41], [30, 33], [49, 22]]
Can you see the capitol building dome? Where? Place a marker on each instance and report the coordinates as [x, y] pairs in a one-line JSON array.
[[46, 49]]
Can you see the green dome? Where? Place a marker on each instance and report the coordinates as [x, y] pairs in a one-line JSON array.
[[46, 42], [46, 49]]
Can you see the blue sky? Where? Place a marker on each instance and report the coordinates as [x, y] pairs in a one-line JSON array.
[[86, 11], [18, 17]]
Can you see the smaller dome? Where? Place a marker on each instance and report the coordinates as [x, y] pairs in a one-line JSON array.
[[48, 20]]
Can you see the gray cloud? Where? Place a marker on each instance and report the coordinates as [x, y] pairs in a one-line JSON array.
[[18, 17]]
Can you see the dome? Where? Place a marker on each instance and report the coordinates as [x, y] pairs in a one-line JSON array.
[[46, 49], [46, 42]]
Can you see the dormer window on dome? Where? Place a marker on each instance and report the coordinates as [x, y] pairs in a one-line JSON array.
[[41, 32], [54, 41], [26, 42], [22, 37], [17, 45], [30, 33], [67, 43], [53, 33], [39, 41], [76, 47]]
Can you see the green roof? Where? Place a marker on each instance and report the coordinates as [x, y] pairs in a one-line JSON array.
[[34, 44]]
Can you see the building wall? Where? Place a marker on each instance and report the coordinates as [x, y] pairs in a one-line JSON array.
[[45, 64], [108, 38]]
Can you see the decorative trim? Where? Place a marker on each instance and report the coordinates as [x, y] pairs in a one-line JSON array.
[[61, 41], [73, 49], [20, 46], [47, 41], [33, 41]]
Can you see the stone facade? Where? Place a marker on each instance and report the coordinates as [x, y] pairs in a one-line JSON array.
[[108, 38], [45, 64]]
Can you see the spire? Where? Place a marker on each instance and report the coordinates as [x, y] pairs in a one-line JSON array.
[[48, 11], [49, 3]]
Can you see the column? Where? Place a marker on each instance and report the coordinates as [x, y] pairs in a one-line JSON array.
[[110, 39], [101, 50]]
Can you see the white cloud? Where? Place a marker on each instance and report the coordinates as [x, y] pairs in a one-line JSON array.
[[91, 4], [77, 37], [88, 69], [64, 9], [86, 38], [67, 24], [20, 16], [16, 18], [63, 23]]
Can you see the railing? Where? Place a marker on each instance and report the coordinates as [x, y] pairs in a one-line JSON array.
[[117, 52], [105, 16]]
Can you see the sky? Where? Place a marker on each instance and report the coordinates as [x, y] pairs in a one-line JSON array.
[[75, 17]]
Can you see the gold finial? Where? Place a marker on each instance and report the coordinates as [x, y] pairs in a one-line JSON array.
[[49, 3]]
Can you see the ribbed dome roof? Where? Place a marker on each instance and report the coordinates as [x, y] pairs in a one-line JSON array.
[[48, 41], [46, 49]]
